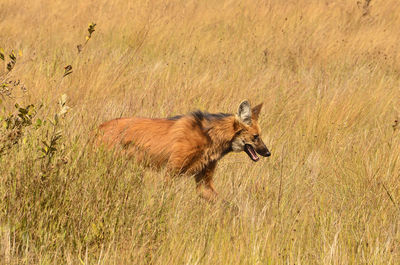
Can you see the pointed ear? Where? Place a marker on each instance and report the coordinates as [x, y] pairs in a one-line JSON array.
[[244, 112], [256, 111], [236, 125]]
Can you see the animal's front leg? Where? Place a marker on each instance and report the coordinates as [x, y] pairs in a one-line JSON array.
[[204, 183]]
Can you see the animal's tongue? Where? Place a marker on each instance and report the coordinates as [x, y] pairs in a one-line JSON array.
[[250, 152]]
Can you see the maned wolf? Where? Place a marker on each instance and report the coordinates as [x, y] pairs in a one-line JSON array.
[[189, 144]]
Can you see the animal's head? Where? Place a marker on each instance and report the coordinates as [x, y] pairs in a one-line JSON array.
[[248, 135]]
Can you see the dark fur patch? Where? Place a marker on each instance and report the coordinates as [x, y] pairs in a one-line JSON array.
[[175, 118], [226, 151], [199, 115]]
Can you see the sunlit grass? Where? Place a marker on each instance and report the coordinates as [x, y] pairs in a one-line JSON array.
[[328, 74]]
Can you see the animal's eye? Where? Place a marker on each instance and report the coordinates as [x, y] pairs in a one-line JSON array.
[[238, 132], [255, 136]]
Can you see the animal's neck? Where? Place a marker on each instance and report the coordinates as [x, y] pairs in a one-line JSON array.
[[221, 135]]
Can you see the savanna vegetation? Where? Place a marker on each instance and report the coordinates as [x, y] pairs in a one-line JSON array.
[[328, 73]]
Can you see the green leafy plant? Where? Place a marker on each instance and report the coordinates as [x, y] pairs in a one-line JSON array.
[[14, 125], [7, 85], [50, 142], [1, 54], [91, 29], [13, 61], [67, 70]]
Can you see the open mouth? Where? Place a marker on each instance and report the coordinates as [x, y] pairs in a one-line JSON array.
[[251, 152]]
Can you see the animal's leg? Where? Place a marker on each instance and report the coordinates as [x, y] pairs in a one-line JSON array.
[[204, 183]]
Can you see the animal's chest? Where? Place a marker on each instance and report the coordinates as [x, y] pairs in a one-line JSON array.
[[204, 160], [211, 156]]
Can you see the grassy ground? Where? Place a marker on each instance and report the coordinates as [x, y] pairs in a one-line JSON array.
[[328, 73]]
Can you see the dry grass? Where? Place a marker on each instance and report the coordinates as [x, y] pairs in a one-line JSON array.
[[327, 71]]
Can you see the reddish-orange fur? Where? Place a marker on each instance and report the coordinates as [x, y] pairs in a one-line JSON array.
[[190, 144]]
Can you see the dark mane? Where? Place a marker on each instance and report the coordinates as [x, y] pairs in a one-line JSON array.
[[175, 118], [200, 116]]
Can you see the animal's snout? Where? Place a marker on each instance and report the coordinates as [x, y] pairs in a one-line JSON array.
[[267, 153], [264, 152]]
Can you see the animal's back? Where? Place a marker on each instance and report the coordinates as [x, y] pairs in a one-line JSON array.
[[138, 135], [179, 141]]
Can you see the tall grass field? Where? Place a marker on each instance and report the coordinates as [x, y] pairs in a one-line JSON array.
[[328, 73]]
